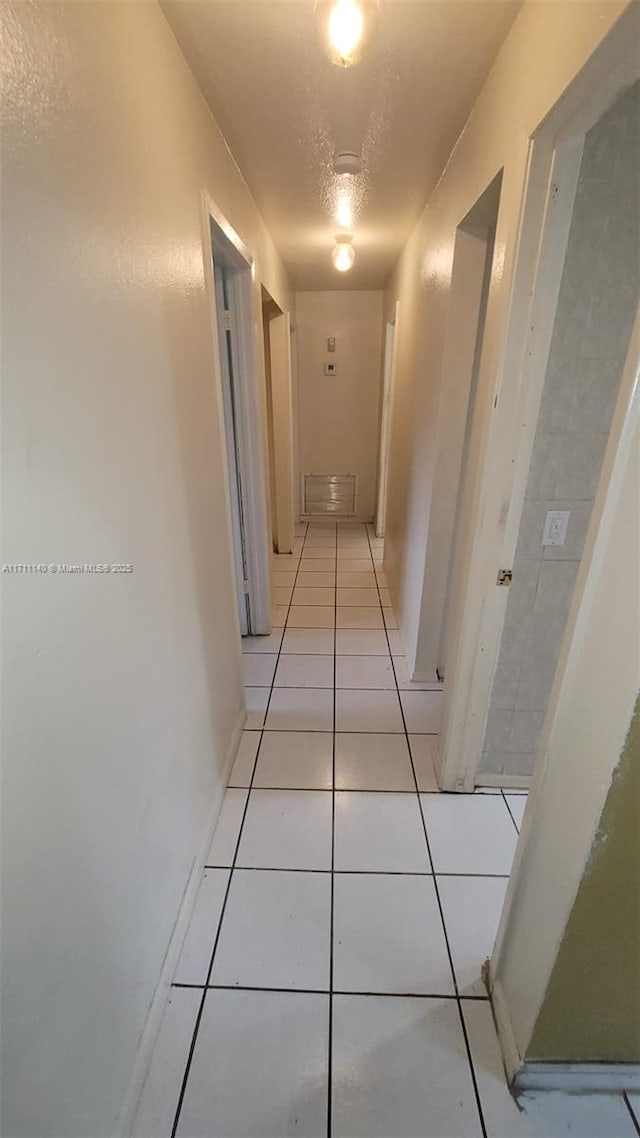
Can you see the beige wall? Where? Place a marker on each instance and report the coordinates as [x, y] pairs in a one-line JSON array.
[[547, 46], [122, 692], [596, 306], [591, 1009], [338, 415]]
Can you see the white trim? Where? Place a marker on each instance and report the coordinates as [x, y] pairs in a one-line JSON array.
[[511, 1056], [388, 382], [133, 1094], [280, 367], [548, 205], [295, 405], [579, 1078], [208, 210], [253, 459]]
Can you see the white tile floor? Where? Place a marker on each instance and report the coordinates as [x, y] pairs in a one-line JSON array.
[[329, 983]]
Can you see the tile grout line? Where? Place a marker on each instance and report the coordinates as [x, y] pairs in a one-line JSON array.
[[632, 1112], [356, 872], [504, 799], [336, 992], [435, 883], [196, 1029], [333, 847]]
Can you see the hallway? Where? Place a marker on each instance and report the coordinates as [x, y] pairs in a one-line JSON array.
[[332, 964], [360, 261]]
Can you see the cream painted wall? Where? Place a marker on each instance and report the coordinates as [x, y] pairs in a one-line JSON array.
[[338, 415], [546, 48], [123, 692]]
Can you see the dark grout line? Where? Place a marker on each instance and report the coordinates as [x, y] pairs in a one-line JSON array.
[[338, 789], [350, 687], [319, 732], [333, 849], [632, 1112], [326, 992], [504, 798], [358, 872], [437, 892]]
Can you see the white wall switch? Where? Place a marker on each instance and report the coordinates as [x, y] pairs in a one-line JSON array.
[[555, 527], [330, 369], [331, 344]]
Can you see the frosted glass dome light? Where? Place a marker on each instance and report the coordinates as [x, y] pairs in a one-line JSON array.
[[345, 28], [343, 254]]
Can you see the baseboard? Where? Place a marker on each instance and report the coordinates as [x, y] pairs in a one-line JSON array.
[[578, 1078], [506, 1036], [160, 996], [505, 781]]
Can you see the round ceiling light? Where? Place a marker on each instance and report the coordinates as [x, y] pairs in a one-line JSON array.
[[343, 254], [345, 28]]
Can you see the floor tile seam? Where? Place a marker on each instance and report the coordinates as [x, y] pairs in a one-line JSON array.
[[438, 898], [385, 994], [361, 872], [342, 731], [333, 851], [635, 1120], [509, 811], [344, 687]]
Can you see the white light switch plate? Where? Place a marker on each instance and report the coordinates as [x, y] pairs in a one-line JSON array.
[[555, 527]]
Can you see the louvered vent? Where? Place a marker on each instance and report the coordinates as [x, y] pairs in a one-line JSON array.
[[329, 494]]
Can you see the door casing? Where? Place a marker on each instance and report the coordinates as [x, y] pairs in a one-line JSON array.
[[223, 247]]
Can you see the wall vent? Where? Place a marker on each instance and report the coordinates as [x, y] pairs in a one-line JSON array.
[[324, 494]]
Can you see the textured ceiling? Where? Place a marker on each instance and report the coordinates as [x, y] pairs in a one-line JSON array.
[[284, 109]]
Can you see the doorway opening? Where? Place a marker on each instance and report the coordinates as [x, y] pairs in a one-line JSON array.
[[596, 306], [471, 280], [390, 341], [240, 407]]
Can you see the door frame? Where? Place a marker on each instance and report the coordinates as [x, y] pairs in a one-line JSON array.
[[282, 421], [472, 269], [390, 364], [493, 507], [251, 437]]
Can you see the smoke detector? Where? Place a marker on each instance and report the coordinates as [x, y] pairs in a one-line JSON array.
[[347, 162]]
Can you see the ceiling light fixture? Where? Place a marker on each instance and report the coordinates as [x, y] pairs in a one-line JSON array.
[[344, 211], [347, 162], [346, 27], [343, 254]]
